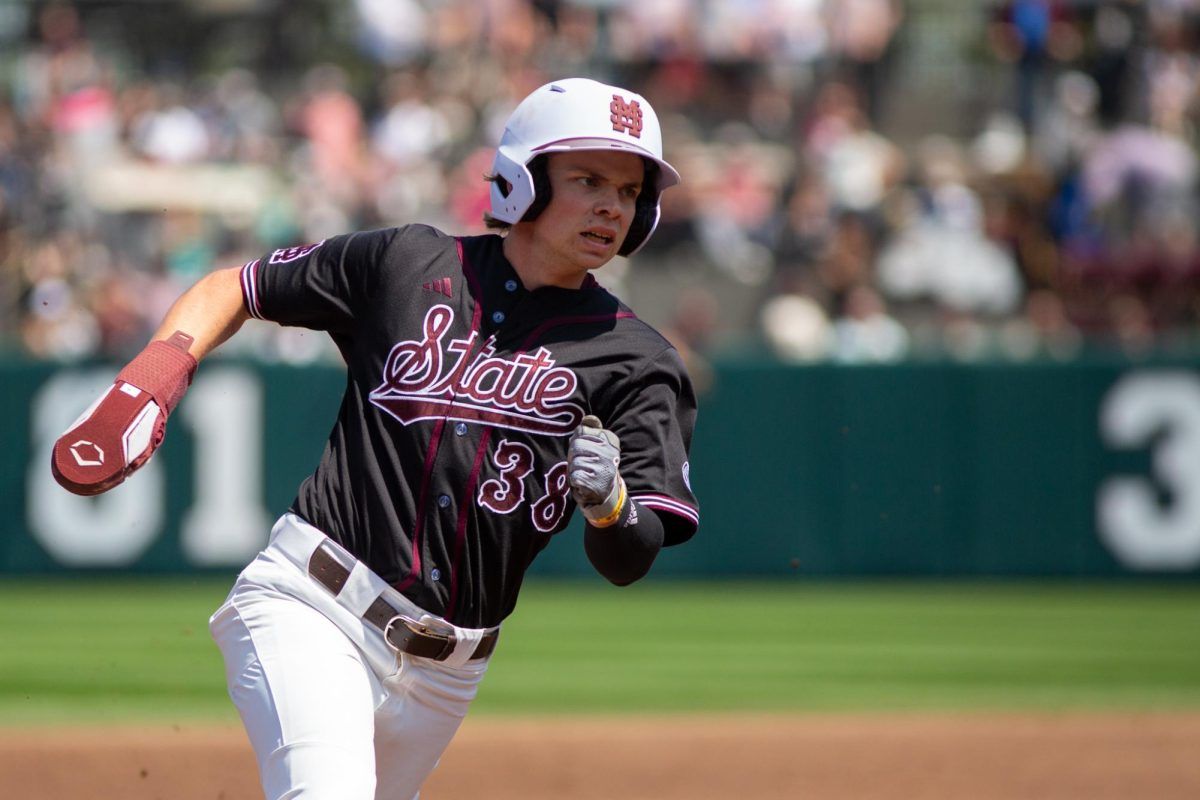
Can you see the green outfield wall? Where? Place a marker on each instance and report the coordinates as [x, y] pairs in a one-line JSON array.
[[1089, 468]]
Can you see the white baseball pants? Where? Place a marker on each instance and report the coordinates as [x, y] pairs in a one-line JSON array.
[[331, 710]]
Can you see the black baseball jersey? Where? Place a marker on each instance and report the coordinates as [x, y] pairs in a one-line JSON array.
[[446, 468]]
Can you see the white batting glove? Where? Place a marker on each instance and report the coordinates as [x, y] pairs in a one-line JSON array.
[[593, 456]]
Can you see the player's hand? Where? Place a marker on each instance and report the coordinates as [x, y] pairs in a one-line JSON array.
[[593, 458], [121, 430]]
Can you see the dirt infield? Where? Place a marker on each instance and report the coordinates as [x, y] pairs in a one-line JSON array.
[[827, 758]]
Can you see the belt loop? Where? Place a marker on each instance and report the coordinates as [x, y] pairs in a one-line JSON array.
[[327, 570]]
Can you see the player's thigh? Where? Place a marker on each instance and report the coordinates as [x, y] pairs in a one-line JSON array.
[[304, 693], [425, 705]]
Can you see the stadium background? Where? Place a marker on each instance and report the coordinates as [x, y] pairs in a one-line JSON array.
[[934, 266]]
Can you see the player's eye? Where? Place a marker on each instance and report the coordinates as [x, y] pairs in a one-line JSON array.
[[631, 192]]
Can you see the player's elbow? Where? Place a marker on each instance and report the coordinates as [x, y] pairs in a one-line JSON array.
[[627, 579], [624, 553], [621, 563]]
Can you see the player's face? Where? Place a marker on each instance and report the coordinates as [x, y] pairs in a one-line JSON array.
[[592, 202]]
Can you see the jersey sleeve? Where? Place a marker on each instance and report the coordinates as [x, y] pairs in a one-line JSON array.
[[323, 286], [654, 421]]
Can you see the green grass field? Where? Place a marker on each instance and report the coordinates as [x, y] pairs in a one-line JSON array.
[[94, 651]]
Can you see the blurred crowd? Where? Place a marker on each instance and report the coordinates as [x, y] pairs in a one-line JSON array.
[[1063, 218]]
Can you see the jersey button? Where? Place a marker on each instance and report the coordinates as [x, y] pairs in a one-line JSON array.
[[510, 285], [444, 501], [498, 317], [461, 429]]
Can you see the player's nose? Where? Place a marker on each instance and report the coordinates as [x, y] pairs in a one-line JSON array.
[[608, 203]]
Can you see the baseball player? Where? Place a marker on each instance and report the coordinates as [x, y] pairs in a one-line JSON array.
[[492, 386]]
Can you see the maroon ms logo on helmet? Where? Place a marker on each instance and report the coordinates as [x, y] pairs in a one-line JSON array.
[[436, 379], [626, 116]]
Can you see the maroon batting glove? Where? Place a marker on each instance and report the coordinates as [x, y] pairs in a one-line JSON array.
[[126, 424]]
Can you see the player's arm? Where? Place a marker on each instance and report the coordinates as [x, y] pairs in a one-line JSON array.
[[210, 312], [119, 432], [621, 538]]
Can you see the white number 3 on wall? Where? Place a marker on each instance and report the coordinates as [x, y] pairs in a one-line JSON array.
[[1160, 408]]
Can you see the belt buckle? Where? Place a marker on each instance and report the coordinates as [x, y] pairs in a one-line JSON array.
[[410, 636]]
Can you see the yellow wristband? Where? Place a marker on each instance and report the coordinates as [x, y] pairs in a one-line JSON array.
[[611, 519]]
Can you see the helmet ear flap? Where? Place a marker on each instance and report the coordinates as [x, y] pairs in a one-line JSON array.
[[540, 174], [512, 193], [645, 213]]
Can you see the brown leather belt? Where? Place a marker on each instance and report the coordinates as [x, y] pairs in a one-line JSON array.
[[402, 632]]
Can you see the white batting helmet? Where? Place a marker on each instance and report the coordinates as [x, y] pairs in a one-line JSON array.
[[578, 114]]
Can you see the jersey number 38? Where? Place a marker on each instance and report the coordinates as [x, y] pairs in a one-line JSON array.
[[506, 494]]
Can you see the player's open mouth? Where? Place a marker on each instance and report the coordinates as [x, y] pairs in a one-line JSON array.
[[602, 238]]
